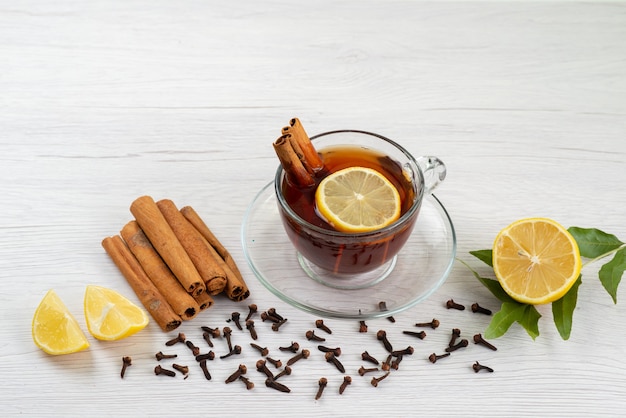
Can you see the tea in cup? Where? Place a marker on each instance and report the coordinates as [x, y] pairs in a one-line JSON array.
[[353, 259]]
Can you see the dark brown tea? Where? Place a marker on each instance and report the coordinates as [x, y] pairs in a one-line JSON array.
[[356, 252]]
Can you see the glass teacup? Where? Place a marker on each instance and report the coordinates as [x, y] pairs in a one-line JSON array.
[[355, 260]]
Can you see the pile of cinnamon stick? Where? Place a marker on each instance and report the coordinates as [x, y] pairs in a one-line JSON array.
[[173, 262]]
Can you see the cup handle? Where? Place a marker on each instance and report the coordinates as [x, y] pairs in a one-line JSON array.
[[434, 171]]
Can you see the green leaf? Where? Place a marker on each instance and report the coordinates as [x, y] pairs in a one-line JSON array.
[[611, 273], [484, 255], [496, 289], [526, 315], [593, 242], [530, 320], [563, 310]]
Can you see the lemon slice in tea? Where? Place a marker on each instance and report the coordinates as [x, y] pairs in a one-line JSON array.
[[358, 199], [536, 260]]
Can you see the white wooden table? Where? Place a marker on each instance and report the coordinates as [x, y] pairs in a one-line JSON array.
[[102, 102]]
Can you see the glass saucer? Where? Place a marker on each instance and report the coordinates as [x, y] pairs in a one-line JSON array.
[[422, 265]]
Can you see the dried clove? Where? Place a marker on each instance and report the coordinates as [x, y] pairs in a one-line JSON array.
[[271, 383], [272, 312], [205, 369], [194, 350], [261, 366], [434, 357], [207, 356], [407, 351], [362, 326], [252, 308], [381, 335], [320, 324], [367, 357], [250, 327], [294, 347], [235, 318], [227, 331], [236, 350], [158, 370], [478, 339], [276, 363], [310, 335], [264, 351], [241, 370], [322, 384], [247, 382], [160, 356], [461, 344], [476, 308], [456, 333], [180, 338], [478, 367], [181, 369], [330, 358], [276, 325], [421, 335], [283, 372], [451, 304], [346, 381], [126, 362], [302, 354], [433, 324], [363, 370], [376, 380], [336, 351], [207, 338]]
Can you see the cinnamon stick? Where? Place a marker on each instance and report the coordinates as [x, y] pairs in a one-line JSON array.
[[145, 290], [159, 273], [236, 287], [300, 137], [200, 252], [162, 237], [295, 170], [204, 301]]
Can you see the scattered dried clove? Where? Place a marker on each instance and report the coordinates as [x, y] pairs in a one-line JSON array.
[[180, 338], [294, 347], [310, 335], [476, 308], [126, 362], [160, 356], [250, 327], [264, 351], [181, 369], [478, 367], [320, 324], [330, 357], [322, 384], [421, 335], [434, 357], [346, 381], [461, 344], [336, 351], [433, 324], [302, 354], [158, 370], [362, 326], [235, 318], [478, 339], [252, 308], [381, 335], [451, 304], [376, 380], [367, 357]]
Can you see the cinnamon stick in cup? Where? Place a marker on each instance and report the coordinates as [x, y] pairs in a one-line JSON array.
[[303, 143], [291, 162], [145, 290], [200, 252], [162, 237], [236, 287], [159, 273]]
